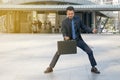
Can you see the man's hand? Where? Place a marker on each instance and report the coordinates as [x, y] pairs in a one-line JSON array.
[[66, 38], [94, 31]]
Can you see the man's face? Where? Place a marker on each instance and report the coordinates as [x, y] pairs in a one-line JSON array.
[[70, 14]]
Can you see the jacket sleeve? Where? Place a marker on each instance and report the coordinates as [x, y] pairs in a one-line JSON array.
[[63, 29], [85, 28]]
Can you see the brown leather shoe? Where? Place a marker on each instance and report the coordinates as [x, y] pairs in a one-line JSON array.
[[95, 70], [48, 70]]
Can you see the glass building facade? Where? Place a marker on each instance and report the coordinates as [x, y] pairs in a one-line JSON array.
[[44, 21]]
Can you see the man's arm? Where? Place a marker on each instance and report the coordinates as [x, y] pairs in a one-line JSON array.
[[64, 31], [86, 28]]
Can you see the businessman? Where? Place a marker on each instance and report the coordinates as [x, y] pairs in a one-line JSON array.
[[71, 31]]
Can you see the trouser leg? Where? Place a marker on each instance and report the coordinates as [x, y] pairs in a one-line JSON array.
[[81, 44], [54, 60]]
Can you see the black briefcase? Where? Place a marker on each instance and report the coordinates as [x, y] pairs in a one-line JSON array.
[[67, 47]]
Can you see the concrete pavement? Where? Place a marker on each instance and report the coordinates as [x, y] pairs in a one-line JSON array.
[[26, 56]]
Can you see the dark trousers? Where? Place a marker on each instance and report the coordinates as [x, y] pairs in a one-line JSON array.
[[81, 44]]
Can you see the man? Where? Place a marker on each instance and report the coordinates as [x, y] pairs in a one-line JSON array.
[[71, 31]]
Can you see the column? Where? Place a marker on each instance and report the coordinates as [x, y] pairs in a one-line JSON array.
[[88, 19], [56, 19], [17, 22], [93, 20]]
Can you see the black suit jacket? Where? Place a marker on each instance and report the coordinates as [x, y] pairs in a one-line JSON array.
[[67, 27]]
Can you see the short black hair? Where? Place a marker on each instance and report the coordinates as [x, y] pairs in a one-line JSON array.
[[70, 8]]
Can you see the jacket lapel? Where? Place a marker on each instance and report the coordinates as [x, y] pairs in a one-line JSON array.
[[75, 23]]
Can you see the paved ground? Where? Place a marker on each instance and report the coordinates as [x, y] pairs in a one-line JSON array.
[[26, 56]]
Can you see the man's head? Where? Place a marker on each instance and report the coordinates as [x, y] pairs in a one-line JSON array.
[[70, 12]]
